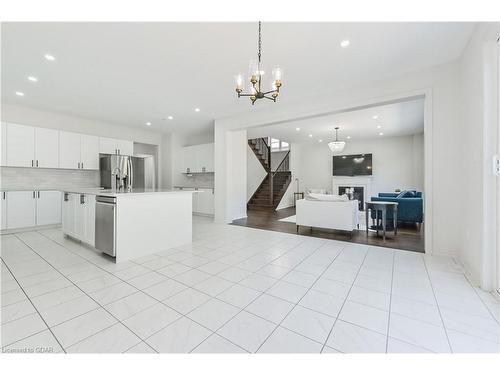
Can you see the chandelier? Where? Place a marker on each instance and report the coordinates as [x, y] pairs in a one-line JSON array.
[[336, 146], [255, 75]]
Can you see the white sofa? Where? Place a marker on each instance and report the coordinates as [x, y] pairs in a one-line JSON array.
[[327, 214]]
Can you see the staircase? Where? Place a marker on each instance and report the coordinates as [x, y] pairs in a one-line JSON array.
[[269, 193]]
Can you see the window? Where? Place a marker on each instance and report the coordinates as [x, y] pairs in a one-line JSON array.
[[277, 145]]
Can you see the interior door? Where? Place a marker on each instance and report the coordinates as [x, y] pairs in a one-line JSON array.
[[69, 150], [20, 145], [46, 148], [21, 208], [48, 207], [89, 152]]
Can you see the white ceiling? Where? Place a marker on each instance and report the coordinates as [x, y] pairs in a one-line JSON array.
[[397, 119], [132, 73]]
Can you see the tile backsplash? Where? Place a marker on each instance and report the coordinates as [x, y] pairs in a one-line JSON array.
[[41, 178], [196, 180]]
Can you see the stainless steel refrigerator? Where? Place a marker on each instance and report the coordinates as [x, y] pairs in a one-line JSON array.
[[123, 172]]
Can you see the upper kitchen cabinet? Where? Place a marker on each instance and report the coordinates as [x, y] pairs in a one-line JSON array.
[[89, 145], [69, 150], [205, 158], [198, 159], [125, 147], [3, 144], [115, 146], [46, 148], [20, 144]]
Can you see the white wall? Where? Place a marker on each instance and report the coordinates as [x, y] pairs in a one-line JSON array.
[[255, 173], [478, 109], [397, 163]]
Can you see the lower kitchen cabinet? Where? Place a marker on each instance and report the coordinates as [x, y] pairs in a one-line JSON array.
[[203, 202], [48, 207], [78, 219], [24, 209], [21, 209], [3, 209]]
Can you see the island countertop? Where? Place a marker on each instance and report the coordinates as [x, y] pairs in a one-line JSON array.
[[127, 193]]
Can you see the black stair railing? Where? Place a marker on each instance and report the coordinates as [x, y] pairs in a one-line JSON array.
[[284, 166]]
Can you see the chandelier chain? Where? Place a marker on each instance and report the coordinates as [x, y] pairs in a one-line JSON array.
[[260, 42]]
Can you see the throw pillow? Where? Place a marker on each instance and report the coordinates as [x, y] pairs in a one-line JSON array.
[[328, 197]]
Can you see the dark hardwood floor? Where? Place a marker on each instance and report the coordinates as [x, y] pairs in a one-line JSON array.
[[409, 237]]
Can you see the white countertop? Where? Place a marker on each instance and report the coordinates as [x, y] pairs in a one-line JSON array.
[[121, 193]]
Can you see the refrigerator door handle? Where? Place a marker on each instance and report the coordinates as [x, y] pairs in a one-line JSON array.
[[131, 171]]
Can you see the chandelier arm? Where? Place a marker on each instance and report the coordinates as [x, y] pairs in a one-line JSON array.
[[268, 97], [246, 94], [268, 92]]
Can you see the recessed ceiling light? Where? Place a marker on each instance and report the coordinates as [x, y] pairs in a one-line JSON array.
[[19, 93], [380, 133], [49, 57], [170, 117], [310, 135], [345, 43], [148, 123], [320, 140], [32, 79], [379, 126], [375, 117], [197, 110], [298, 129], [348, 137]]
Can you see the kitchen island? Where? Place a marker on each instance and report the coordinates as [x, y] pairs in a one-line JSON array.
[[128, 224]]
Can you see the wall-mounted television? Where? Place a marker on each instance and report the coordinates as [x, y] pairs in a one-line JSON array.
[[352, 165]]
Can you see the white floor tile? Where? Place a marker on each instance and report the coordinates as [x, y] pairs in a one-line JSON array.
[[300, 278], [187, 300], [349, 338], [418, 333], [165, 289], [234, 274], [271, 308], [131, 272], [485, 328], [213, 314], [239, 296], [192, 277], [180, 337], [126, 307], [16, 311], [115, 339], [214, 267], [217, 344], [335, 288], [324, 303], [146, 280], [68, 310], [57, 297], [213, 286], [247, 331], [283, 340], [290, 292], [258, 282], [141, 348], [151, 320], [416, 310], [113, 293], [365, 316], [21, 328], [370, 297], [40, 343], [462, 343], [14, 296], [311, 324], [98, 283], [173, 269], [83, 326], [373, 283], [398, 346]]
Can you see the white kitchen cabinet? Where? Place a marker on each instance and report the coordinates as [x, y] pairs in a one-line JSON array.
[[48, 207], [188, 160], [205, 202], [21, 209], [68, 213], [46, 148], [69, 150], [89, 147], [125, 147], [3, 210], [20, 145], [205, 158], [115, 146], [79, 217], [3, 144]]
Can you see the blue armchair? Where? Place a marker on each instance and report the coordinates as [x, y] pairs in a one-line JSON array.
[[410, 209]]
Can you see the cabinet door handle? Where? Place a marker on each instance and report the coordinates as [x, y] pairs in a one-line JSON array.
[[37, 163], [38, 194], [82, 199], [33, 195], [3, 194], [32, 163], [82, 164]]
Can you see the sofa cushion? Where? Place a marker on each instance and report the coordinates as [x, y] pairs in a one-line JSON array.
[[327, 197]]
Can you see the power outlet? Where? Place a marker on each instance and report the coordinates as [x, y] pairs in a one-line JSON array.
[[496, 165]]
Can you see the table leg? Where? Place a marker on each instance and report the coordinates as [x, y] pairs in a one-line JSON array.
[[384, 215], [376, 219], [395, 215], [367, 212]]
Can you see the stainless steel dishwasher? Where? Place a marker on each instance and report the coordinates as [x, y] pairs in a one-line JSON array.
[[105, 224]]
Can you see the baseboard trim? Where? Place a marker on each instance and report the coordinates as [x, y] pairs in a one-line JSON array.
[[29, 229]]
